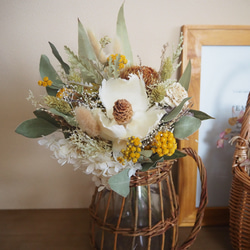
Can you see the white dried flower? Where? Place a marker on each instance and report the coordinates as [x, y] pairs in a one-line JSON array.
[[175, 93], [144, 117], [32, 99], [100, 164]]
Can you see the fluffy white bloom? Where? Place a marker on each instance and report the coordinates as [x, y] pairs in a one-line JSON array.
[[175, 93], [63, 151], [144, 119], [101, 165]]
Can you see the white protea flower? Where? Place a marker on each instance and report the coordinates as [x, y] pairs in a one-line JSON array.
[[144, 117]]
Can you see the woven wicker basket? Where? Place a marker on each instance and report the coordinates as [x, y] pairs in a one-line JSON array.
[[147, 218], [239, 204]]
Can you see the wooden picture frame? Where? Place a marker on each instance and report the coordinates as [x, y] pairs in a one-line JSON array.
[[196, 36]]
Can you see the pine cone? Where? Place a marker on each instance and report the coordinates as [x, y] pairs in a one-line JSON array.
[[122, 111]]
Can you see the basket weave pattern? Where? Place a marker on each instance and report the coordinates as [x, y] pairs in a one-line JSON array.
[[239, 204], [110, 230]]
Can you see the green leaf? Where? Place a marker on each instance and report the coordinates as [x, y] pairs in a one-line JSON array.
[[35, 128], [120, 183], [145, 157], [51, 91], [64, 65], [85, 49], [146, 153], [186, 76], [69, 119], [186, 126], [39, 113], [177, 154], [155, 159], [200, 115], [46, 69], [121, 31], [170, 116]]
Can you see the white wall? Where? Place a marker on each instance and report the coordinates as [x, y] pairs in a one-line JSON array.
[[29, 178]]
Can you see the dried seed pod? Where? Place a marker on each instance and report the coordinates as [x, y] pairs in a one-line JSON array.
[[122, 111], [149, 75]]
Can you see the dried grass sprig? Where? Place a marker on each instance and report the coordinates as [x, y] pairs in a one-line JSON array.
[[98, 47], [169, 65], [59, 104], [89, 71], [87, 145]]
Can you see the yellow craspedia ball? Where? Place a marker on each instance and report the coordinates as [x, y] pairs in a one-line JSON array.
[[164, 143], [132, 151], [46, 82], [122, 60]]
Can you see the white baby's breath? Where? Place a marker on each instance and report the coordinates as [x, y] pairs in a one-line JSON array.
[[32, 99]]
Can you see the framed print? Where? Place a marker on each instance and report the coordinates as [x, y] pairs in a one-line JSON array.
[[220, 83]]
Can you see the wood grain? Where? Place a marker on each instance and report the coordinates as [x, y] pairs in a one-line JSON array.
[[60, 229], [68, 229], [195, 36]]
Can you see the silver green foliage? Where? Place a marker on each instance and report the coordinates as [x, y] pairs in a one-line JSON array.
[[89, 71]]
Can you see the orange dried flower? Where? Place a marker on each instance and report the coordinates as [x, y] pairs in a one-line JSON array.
[[149, 75]]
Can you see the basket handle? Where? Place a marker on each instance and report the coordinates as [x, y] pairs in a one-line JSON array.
[[203, 199]]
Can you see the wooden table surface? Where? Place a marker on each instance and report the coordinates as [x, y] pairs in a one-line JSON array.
[[68, 229]]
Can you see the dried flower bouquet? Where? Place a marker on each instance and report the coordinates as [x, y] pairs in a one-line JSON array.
[[108, 116]]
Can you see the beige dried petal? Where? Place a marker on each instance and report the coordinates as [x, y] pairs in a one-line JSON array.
[[97, 47], [87, 122], [175, 93]]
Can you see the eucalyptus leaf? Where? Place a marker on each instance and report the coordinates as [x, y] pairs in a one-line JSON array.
[[170, 116], [39, 113], [64, 65], [146, 153], [35, 128], [120, 183], [144, 159], [51, 91], [176, 155], [46, 69], [85, 49], [186, 77], [200, 115], [121, 31], [155, 159], [149, 165], [186, 126], [69, 119]]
